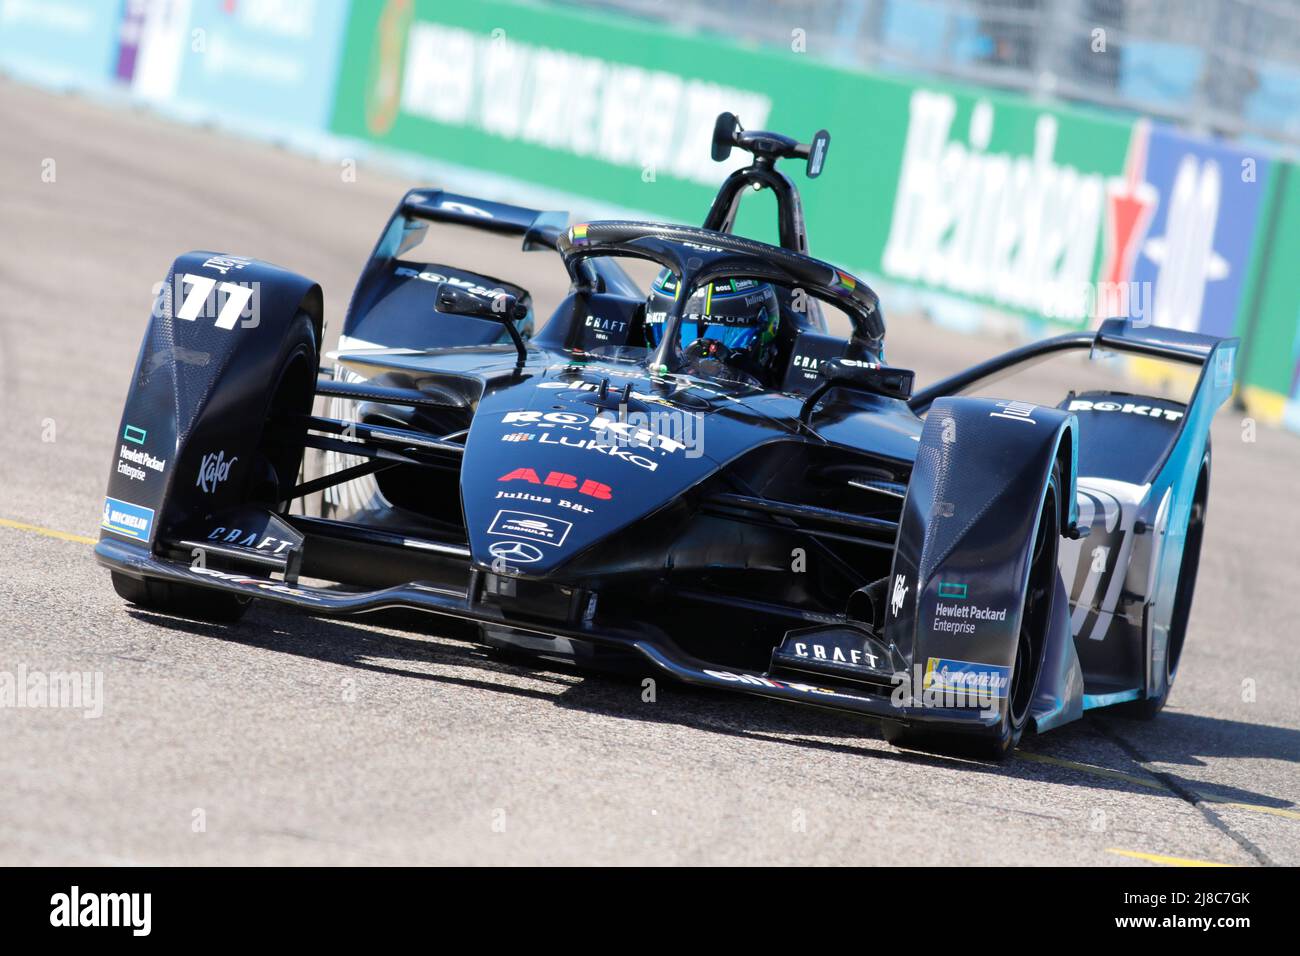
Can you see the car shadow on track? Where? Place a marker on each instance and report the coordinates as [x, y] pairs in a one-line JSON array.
[[449, 644], [1178, 737]]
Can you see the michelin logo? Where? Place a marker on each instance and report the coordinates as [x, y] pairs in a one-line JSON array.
[[989, 680], [124, 518]]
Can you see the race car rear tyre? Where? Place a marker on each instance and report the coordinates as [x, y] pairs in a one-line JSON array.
[[182, 600], [1148, 708], [1035, 623]]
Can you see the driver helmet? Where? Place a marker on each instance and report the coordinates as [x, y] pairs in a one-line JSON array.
[[741, 314]]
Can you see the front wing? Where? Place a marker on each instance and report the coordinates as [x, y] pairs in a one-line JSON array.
[[651, 643]]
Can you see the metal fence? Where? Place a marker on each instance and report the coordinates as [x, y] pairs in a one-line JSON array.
[[1225, 67]]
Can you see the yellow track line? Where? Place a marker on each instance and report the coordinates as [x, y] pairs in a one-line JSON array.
[[47, 532], [1097, 771], [1275, 811], [1165, 860], [1157, 785]]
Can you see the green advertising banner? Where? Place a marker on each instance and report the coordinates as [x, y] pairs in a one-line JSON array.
[[967, 196], [935, 187]]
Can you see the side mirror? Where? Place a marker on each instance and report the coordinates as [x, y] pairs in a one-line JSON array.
[[503, 307], [864, 376], [724, 136], [821, 142], [868, 377]]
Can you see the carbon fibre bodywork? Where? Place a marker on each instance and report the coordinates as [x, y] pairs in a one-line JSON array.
[[821, 538]]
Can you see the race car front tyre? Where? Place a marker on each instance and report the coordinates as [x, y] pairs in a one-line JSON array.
[[271, 479], [1035, 624], [182, 600], [279, 455]]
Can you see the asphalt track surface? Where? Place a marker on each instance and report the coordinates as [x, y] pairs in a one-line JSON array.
[[288, 739]]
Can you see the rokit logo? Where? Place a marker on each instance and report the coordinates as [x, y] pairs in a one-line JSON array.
[[623, 438], [131, 910], [1127, 408], [213, 470], [629, 432], [545, 419]]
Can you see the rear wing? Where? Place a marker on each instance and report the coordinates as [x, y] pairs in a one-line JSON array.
[[1216, 357], [1181, 460], [1154, 341]]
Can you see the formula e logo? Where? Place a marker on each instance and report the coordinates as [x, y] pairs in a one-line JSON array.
[[213, 470], [515, 551], [523, 524], [900, 594]]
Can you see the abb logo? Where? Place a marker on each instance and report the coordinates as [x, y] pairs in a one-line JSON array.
[[558, 479]]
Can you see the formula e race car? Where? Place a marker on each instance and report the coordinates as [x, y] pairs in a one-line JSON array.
[[694, 473]]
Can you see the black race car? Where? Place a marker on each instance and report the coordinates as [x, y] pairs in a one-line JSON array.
[[697, 476]]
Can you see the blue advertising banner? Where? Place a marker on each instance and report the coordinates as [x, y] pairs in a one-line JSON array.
[[272, 62], [1196, 250], [60, 42]]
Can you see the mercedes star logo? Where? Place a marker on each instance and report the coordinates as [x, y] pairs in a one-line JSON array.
[[516, 551]]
